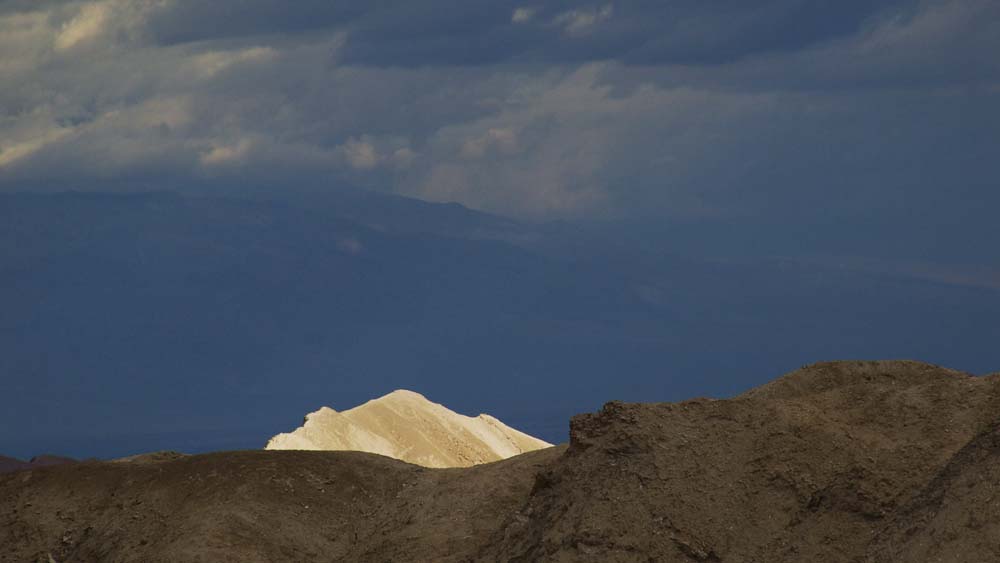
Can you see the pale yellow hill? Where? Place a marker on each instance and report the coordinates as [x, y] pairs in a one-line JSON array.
[[406, 426]]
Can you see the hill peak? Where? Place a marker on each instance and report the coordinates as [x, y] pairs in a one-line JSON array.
[[824, 377], [404, 395], [406, 425]]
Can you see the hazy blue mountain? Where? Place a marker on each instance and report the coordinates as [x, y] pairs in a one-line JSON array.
[[163, 321]]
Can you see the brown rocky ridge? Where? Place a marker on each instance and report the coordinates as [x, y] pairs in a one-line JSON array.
[[866, 462], [8, 464]]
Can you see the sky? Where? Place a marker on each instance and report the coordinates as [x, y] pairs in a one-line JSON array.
[[850, 134], [556, 110]]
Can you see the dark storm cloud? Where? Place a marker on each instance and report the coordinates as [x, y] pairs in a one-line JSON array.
[[400, 33], [183, 22], [599, 109], [16, 6], [639, 32]]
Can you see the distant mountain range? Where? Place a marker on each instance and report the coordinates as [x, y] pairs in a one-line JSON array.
[[404, 425]]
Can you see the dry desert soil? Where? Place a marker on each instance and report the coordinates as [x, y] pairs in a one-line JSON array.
[[866, 462]]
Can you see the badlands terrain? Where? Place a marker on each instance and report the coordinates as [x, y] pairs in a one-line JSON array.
[[861, 462], [404, 425]]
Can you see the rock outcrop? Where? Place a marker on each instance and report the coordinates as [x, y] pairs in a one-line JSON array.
[[810, 467]]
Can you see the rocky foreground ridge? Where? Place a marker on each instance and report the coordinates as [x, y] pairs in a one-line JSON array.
[[405, 425], [867, 462], [8, 464]]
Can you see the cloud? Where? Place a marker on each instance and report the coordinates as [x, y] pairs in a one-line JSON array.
[[227, 154], [522, 15], [211, 63], [24, 40], [502, 141], [939, 44], [579, 22], [12, 151], [403, 157], [88, 23], [630, 31], [360, 154], [542, 111], [544, 153]]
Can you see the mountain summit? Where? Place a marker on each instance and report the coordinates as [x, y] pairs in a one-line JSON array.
[[406, 426]]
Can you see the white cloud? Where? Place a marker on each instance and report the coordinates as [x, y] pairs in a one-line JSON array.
[[581, 22], [211, 63], [360, 154], [227, 154], [368, 152], [403, 157], [115, 21], [573, 146], [11, 152], [171, 112], [503, 141], [522, 15], [88, 24]]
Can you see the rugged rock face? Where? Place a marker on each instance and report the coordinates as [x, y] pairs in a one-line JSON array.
[[404, 425], [811, 467], [864, 462], [956, 517]]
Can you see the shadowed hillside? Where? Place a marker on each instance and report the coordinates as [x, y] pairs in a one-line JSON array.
[[806, 468], [846, 461]]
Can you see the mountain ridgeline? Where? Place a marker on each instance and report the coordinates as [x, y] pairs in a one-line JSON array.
[[404, 425], [867, 462], [194, 311]]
